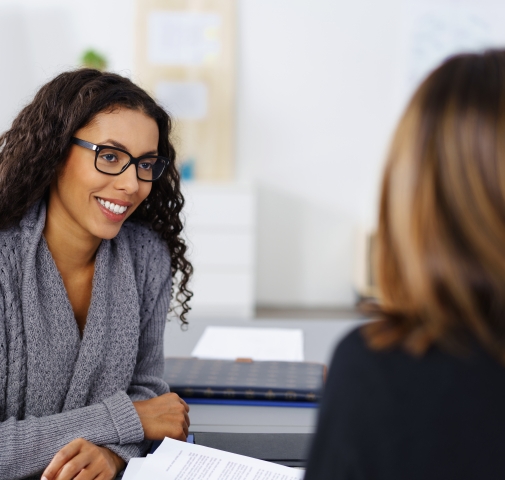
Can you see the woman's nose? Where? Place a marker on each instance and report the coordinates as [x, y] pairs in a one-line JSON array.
[[128, 180]]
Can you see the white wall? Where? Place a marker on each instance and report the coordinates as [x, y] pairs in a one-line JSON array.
[[320, 86], [315, 109], [40, 38]]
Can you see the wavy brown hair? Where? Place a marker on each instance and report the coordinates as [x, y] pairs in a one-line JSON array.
[[441, 236], [38, 144]]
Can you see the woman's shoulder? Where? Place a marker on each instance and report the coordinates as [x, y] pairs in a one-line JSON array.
[[142, 236], [354, 358], [351, 359], [151, 263], [10, 235], [12, 252], [146, 246], [353, 348], [405, 372], [354, 352], [26, 232], [10, 243]]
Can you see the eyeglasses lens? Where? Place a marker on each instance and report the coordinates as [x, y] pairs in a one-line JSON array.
[[112, 161], [150, 168]]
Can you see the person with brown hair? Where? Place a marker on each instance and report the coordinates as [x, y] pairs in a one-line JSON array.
[[419, 393], [91, 247]]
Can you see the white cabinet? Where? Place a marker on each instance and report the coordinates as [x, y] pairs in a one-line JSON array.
[[220, 232]]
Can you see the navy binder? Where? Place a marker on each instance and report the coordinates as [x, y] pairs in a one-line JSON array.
[[260, 383]]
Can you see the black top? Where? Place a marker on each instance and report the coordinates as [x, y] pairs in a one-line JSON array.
[[388, 415]]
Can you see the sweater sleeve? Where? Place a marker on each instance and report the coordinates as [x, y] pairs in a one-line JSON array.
[[29, 445], [147, 379]]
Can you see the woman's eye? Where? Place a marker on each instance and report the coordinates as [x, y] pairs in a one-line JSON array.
[[109, 157], [145, 165]]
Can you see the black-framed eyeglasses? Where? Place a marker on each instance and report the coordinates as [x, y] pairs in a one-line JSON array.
[[114, 161]]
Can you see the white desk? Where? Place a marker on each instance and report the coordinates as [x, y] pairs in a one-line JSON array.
[[320, 337]]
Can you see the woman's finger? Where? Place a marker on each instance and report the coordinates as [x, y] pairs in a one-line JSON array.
[[90, 463], [68, 452], [73, 468], [102, 465], [84, 462], [186, 406], [185, 427], [91, 472]]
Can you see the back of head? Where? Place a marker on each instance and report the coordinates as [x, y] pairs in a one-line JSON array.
[[441, 239]]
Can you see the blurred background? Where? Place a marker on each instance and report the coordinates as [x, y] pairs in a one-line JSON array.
[[283, 112]]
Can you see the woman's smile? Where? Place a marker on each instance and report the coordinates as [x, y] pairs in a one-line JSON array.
[[113, 206], [112, 211]]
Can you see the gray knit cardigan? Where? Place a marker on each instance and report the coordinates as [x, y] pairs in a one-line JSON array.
[[56, 386]]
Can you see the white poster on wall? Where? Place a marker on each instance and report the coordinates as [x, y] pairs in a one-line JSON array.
[[435, 30], [184, 100], [183, 38]]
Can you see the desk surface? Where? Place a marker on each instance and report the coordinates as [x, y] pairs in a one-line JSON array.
[[320, 338]]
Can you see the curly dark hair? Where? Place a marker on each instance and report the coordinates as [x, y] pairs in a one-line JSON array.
[[38, 144]]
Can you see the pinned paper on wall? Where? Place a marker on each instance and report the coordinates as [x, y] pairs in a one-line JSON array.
[[435, 30], [183, 38], [184, 100]]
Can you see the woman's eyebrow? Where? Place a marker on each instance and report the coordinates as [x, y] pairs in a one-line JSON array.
[[114, 143]]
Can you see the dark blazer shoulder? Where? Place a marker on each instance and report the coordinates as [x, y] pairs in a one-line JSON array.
[[353, 350]]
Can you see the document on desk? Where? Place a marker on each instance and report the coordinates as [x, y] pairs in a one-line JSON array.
[[268, 344], [175, 460], [134, 466]]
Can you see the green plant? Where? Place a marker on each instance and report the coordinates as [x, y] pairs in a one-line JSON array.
[[93, 59]]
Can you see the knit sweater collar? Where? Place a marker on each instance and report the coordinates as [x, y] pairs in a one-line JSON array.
[[53, 344]]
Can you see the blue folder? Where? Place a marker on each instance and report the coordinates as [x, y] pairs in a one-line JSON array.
[[225, 382]]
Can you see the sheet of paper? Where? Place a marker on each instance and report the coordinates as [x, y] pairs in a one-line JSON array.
[[134, 466], [184, 100], [174, 460], [183, 38], [230, 343]]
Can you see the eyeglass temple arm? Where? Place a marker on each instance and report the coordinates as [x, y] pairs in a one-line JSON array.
[[84, 144]]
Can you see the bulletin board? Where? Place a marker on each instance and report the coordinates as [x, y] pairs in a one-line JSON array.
[[185, 57]]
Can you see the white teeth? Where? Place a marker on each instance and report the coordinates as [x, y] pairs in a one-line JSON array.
[[117, 209]]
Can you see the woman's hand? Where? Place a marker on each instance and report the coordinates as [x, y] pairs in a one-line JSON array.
[[83, 460], [164, 416]]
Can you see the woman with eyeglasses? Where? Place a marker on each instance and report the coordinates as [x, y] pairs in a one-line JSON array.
[[420, 392], [90, 235]]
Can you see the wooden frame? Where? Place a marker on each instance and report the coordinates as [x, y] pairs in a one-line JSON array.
[[207, 141]]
